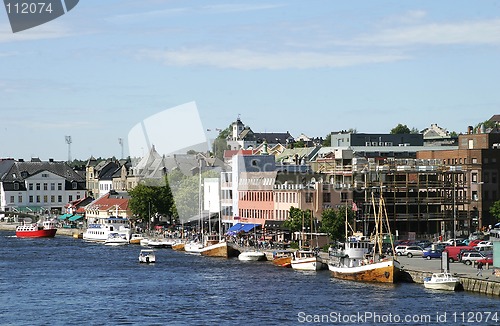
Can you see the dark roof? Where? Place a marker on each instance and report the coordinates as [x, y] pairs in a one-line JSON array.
[[273, 137], [19, 171], [495, 118]]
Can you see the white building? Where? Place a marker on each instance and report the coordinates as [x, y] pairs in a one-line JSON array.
[[38, 187]]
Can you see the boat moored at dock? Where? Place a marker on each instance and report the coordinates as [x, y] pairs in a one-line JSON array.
[[442, 281], [100, 230], [45, 229]]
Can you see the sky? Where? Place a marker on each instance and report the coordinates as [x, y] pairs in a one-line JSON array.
[[309, 67]]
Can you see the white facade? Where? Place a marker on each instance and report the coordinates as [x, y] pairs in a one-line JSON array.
[[39, 193], [105, 186], [211, 195]]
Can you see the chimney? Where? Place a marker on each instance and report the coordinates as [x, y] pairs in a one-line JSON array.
[[20, 160], [469, 130], [51, 160]]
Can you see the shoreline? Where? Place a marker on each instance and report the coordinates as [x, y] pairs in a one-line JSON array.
[[489, 284]]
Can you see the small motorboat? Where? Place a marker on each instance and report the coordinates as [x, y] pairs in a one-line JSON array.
[[252, 256], [147, 256], [442, 281], [116, 239]]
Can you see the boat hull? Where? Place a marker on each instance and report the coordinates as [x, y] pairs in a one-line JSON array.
[[447, 286], [252, 256], [307, 264], [380, 272], [50, 233], [283, 261], [221, 249], [179, 246]]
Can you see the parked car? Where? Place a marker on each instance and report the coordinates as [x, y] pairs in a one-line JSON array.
[[424, 243], [484, 244], [411, 251], [471, 257], [474, 243], [400, 249], [486, 260], [429, 254]]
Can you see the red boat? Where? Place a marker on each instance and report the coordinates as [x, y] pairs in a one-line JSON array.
[[45, 230]]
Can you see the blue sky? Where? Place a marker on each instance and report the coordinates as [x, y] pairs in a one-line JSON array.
[[300, 66]]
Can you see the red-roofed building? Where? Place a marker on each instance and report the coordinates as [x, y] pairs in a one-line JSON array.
[[111, 204]]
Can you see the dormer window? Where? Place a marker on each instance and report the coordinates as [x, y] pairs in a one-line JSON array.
[[16, 186], [74, 185]]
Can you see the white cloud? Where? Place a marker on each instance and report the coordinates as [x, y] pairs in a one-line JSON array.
[[240, 7], [248, 60], [49, 30], [466, 33]]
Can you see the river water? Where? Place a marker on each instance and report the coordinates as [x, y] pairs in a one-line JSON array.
[[66, 281]]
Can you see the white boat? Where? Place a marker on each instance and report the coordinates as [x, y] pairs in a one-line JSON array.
[[193, 247], [157, 243], [116, 239], [442, 281], [252, 256], [136, 238], [361, 259], [144, 242], [147, 256], [100, 230], [306, 260]]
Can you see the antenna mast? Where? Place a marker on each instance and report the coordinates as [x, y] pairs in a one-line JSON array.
[[68, 141], [120, 141]]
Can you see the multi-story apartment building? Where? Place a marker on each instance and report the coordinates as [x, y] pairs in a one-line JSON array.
[[478, 157], [37, 186]]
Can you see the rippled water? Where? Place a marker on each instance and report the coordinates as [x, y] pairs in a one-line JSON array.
[[65, 281]]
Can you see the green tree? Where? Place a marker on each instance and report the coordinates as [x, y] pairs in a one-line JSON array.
[[219, 144], [495, 210], [327, 142], [333, 221], [297, 219], [151, 198], [400, 129]]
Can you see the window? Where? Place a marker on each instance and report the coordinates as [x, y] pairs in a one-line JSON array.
[[486, 177], [45, 186], [45, 199], [38, 199], [16, 186], [30, 199], [474, 177], [12, 199], [59, 199], [30, 186], [37, 186], [74, 185], [493, 177], [52, 186], [59, 186], [70, 198], [474, 160], [45, 175], [19, 199], [343, 196], [52, 199], [327, 197], [309, 197]]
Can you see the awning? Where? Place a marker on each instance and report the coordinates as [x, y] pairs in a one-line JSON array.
[[75, 217], [64, 216], [241, 227], [235, 227], [248, 227]]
